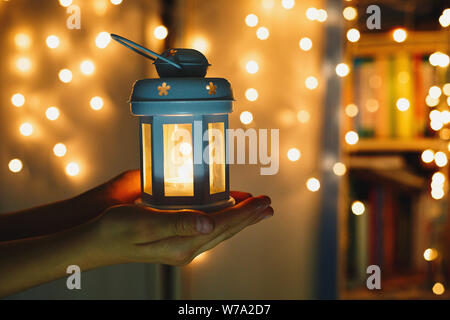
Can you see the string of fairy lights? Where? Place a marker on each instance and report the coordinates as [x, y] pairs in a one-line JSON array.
[[437, 95], [24, 65]]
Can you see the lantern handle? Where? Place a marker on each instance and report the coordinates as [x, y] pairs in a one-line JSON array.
[[142, 50]]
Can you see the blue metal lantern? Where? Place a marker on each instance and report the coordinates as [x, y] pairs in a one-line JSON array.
[[183, 125]]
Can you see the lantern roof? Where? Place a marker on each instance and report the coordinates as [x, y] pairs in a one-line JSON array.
[[182, 87]]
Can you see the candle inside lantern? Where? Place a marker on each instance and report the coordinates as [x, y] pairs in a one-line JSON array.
[[178, 160]]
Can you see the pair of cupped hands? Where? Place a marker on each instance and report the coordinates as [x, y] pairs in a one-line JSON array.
[[137, 233]]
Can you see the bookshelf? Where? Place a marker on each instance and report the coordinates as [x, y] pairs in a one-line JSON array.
[[386, 173]]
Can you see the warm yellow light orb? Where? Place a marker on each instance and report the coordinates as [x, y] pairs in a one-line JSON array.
[[311, 14], [18, 99], [267, 4], [437, 193], [252, 67], [431, 102], [246, 117], [351, 110], [52, 113], [322, 15], [402, 104], [15, 165], [96, 103], [251, 20], [351, 137], [22, 40], [60, 150], [427, 156], [26, 129], [438, 289], [438, 179], [52, 42], [440, 158], [294, 154], [311, 83], [339, 169], [288, 4], [23, 64], [116, 2], [160, 32], [444, 19], [65, 3], [303, 116], [305, 44], [251, 94], [102, 40], [185, 148], [430, 254], [262, 33], [313, 184], [72, 169], [353, 35], [435, 92], [446, 89], [350, 13], [87, 67], [65, 75], [439, 59], [342, 69], [399, 35], [358, 208]]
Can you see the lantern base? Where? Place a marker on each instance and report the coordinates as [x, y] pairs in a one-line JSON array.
[[209, 207]]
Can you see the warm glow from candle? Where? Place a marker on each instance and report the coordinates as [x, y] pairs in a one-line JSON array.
[[430, 254]]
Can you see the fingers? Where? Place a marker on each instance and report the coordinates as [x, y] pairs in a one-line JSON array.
[[162, 225], [240, 196], [125, 188]]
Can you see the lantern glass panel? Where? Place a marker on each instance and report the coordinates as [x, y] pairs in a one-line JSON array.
[[178, 160], [216, 133], [147, 156]]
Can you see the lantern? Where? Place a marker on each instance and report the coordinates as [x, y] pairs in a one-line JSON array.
[[183, 120]]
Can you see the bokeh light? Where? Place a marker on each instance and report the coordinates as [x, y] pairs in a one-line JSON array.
[[339, 169], [427, 156], [251, 20], [246, 117], [438, 288], [262, 33], [23, 64], [251, 94], [18, 99], [15, 165], [430, 254], [313, 184], [52, 41], [353, 35], [288, 4], [303, 116], [342, 69], [102, 40], [351, 110], [65, 75], [160, 32], [96, 103], [305, 44], [358, 208], [22, 40], [87, 67], [351, 137], [52, 113], [399, 35], [252, 67], [311, 83], [350, 13], [26, 129], [60, 150], [294, 154], [402, 104], [72, 169]]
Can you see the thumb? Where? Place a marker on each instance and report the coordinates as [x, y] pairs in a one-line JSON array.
[[182, 223]]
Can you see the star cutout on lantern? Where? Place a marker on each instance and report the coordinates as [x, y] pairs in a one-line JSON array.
[[212, 88], [163, 89], [171, 52]]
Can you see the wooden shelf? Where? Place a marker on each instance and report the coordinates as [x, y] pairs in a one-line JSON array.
[[396, 145], [416, 42]]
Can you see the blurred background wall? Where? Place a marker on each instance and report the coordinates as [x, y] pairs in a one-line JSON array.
[[275, 259]]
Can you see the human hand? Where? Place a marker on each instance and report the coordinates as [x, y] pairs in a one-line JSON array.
[[135, 233]]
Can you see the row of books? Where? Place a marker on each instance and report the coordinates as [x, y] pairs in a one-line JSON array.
[[376, 84], [391, 233]]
